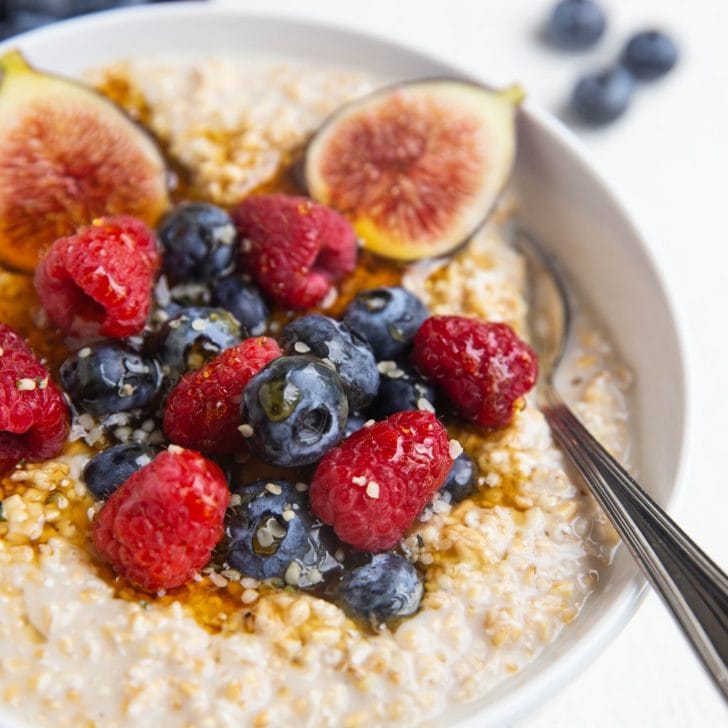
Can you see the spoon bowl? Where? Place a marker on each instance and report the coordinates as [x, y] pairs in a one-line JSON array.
[[692, 586], [549, 304]]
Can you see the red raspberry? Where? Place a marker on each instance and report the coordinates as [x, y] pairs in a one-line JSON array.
[[374, 484], [99, 281], [203, 410], [159, 528], [294, 248], [483, 368], [34, 417]]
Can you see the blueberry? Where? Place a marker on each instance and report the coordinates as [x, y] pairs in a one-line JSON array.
[[59, 9], [401, 389], [198, 240], [192, 294], [297, 408], [20, 21], [353, 424], [194, 335], [271, 534], [601, 98], [576, 24], [649, 55], [388, 318], [105, 472], [111, 377], [172, 300], [244, 301], [346, 350], [386, 587], [460, 482]]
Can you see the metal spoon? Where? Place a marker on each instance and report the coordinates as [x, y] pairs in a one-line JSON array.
[[691, 585]]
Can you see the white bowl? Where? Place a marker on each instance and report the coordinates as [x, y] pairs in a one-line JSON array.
[[564, 202]]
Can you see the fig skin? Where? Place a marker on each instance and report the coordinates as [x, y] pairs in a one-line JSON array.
[[416, 167], [68, 156]]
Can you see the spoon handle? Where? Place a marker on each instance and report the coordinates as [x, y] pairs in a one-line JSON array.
[[692, 585]]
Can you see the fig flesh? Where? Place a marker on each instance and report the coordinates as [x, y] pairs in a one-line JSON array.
[[67, 156], [415, 167]]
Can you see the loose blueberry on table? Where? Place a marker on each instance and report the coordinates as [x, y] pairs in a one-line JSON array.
[[576, 24], [603, 97], [649, 55], [329, 413]]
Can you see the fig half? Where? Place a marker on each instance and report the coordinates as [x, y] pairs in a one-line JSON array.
[[416, 167], [67, 156]]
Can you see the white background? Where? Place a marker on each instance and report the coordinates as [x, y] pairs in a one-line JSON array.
[[668, 158]]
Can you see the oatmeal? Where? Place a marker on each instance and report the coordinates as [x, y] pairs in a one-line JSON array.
[[504, 571], [229, 125]]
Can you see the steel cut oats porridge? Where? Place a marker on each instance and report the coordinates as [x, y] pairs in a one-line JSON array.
[[504, 571]]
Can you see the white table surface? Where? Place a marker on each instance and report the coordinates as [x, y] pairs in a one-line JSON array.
[[669, 157]]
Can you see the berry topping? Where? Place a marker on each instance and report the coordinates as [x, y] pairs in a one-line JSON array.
[[110, 377], [105, 472], [159, 528], [34, 418], [386, 587], [12, 342], [294, 248], [203, 410], [351, 356], [649, 55], [602, 97], [187, 295], [460, 483], [193, 336], [199, 242], [387, 318], [372, 486], [296, 409], [482, 368], [401, 389], [576, 24], [244, 301], [98, 282], [272, 534]]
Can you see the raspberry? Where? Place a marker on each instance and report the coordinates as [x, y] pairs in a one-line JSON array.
[[203, 410], [483, 368], [34, 417], [159, 528], [294, 248], [372, 486], [98, 281]]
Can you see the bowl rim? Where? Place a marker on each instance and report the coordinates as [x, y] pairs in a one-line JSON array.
[[555, 676]]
